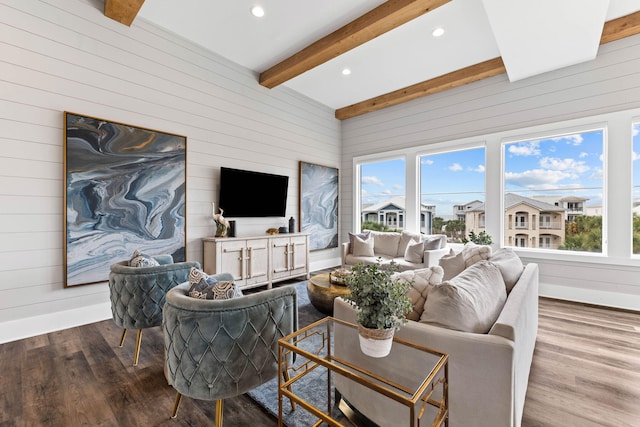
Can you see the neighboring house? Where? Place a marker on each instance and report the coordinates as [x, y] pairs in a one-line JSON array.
[[391, 212], [574, 206], [528, 222], [460, 211]]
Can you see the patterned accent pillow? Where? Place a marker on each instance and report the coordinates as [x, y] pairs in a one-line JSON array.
[[422, 280], [473, 253], [139, 259], [204, 286]]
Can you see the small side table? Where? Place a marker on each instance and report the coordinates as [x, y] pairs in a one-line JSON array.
[[322, 292]]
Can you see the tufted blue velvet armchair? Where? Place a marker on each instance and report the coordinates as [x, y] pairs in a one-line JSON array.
[[138, 294], [217, 349]]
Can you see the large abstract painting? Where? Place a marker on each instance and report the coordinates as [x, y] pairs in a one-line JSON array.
[[319, 205], [125, 191]]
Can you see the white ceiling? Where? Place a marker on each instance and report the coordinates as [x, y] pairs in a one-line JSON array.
[[532, 37]]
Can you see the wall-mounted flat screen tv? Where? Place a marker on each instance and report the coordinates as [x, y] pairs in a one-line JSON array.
[[252, 194]]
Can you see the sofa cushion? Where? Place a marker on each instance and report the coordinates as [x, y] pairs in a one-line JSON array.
[[422, 280], [510, 266], [407, 237], [414, 252], [362, 247], [473, 253], [452, 264], [386, 243], [470, 302], [364, 236], [139, 259]]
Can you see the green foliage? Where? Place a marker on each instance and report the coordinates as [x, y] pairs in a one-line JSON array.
[[454, 229], [584, 233], [374, 226], [438, 225], [636, 234], [382, 301], [481, 238]]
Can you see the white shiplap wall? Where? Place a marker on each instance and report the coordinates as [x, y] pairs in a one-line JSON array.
[[64, 55], [604, 90]]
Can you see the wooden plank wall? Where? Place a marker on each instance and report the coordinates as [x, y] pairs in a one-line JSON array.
[[604, 90], [65, 55]]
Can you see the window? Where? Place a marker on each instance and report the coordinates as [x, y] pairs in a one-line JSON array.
[[452, 192], [636, 187], [555, 183], [382, 195]]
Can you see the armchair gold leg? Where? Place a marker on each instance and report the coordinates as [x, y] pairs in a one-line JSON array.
[[124, 334], [219, 410], [287, 377], [176, 405], [136, 354]]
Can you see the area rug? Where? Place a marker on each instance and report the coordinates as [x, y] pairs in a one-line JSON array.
[[311, 388]]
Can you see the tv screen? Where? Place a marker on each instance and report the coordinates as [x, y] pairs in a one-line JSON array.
[[252, 194]]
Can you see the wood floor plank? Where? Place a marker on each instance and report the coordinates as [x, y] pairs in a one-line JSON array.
[[585, 373]]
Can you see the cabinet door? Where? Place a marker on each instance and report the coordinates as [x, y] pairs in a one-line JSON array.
[[232, 260], [280, 260], [257, 261], [298, 251]]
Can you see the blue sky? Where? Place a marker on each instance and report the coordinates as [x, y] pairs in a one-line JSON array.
[[565, 165]]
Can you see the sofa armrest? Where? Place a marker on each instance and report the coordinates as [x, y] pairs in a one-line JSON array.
[[432, 256], [344, 250]]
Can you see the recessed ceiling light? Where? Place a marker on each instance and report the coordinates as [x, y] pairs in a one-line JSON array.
[[346, 71], [437, 32], [257, 11]]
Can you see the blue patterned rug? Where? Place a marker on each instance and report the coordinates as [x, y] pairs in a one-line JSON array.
[[310, 388]]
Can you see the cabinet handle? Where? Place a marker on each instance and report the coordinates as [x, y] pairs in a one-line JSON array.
[[249, 273]]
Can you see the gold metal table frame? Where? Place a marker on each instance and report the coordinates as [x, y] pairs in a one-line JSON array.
[[312, 348]]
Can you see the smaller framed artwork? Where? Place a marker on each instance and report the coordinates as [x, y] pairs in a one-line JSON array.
[[319, 205]]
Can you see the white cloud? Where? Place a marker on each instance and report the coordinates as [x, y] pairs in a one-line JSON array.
[[398, 187], [427, 162], [525, 149], [635, 156], [455, 167], [536, 179], [372, 180], [598, 173], [479, 169], [583, 155], [636, 130], [387, 192], [570, 165], [574, 140]]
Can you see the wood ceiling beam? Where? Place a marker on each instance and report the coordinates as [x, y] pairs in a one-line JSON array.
[[123, 11], [615, 29], [383, 18]]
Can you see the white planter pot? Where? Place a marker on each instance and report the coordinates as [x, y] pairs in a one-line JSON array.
[[375, 342]]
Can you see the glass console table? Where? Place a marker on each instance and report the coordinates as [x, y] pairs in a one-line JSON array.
[[309, 353]]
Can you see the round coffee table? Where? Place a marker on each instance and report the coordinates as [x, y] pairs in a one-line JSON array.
[[322, 293]]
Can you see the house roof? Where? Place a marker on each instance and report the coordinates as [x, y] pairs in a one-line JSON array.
[[511, 200], [398, 202]]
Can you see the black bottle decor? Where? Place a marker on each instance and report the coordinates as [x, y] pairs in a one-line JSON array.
[[292, 225]]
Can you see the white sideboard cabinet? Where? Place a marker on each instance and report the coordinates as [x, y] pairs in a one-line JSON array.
[[257, 260]]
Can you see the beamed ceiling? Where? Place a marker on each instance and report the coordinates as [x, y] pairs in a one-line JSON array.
[[388, 45]]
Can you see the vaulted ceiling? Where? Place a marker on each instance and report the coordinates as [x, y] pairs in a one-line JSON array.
[[388, 46]]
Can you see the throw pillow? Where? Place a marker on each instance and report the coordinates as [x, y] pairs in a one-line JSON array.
[[204, 286], [452, 264], [470, 302], [473, 253], [362, 247], [385, 243], [432, 242], [407, 237], [414, 252], [364, 236], [510, 266], [139, 259], [421, 280]]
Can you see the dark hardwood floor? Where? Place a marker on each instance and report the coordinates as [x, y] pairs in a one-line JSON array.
[[586, 372]]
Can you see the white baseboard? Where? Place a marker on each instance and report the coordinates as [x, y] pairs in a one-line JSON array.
[[591, 296], [38, 325]]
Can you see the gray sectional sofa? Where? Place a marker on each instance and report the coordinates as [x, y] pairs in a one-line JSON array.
[[408, 250], [488, 371]]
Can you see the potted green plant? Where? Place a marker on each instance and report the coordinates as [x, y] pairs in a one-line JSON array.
[[382, 305]]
